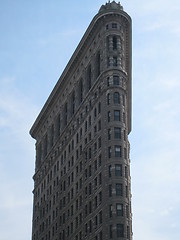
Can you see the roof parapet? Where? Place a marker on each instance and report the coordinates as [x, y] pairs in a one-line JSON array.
[[111, 5]]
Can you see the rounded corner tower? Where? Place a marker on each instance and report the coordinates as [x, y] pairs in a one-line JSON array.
[[82, 184]]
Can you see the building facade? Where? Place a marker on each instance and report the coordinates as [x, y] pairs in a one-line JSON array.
[[82, 186]]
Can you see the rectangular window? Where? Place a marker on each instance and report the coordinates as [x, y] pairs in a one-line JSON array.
[[109, 116], [108, 99], [119, 209], [99, 108], [110, 190], [114, 61], [100, 217], [117, 133], [125, 153], [116, 80], [110, 232], [110, 171], [109, 152], [99, 125], [109, 134], [114, 25], [126, 172], [118, 170], [119, 189], [110, 210], [128, 232], [116, 115], [120, 230], [124, 118], [117, 151]]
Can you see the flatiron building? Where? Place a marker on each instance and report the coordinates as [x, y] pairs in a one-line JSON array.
[[82, 184]]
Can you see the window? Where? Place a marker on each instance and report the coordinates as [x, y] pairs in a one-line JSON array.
[[117, 151], [110, 232], [86, 126], [110, 210], [95, 113], [72, 103], [126, 172], [123, 100], [124, 135], [100, 236], [99, 125], [126, 191], [109, 116], [90, 226], [110, 190], [89, 76], [96, 202], [109, 134], [128, 232], [108, 61], [96, 221], [114, 61], [124, 118], [99, 108], [98, 64], [58, 120], [100, 217], [108, 99], [127, 211], [89, 153], [114, 43], [119, 209], [118, 170], [109, 152], [100, 197], [65, 114], [116, 98], [99, 142], [116, 115], [86, 229], [89, 121], [108, 81], [90, 207], [117, 133], [119, 189], [100, 179], [99, 160], [114, 25], [110, 171], [125, 153], [116, 80], [120, 230]]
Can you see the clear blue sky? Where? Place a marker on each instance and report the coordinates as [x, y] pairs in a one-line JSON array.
[[37, 38]]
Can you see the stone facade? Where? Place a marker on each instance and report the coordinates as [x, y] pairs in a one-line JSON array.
[[82, 176]]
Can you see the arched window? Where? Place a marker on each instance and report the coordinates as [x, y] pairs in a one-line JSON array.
[[116, 98], [114, 43]]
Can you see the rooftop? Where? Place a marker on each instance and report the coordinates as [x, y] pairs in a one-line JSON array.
[[111, 5]]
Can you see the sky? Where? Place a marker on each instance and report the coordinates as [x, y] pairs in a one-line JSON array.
[[37, 39]]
